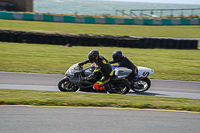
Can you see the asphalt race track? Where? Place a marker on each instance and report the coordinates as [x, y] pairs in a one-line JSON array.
[[48, 82], [32, 119]]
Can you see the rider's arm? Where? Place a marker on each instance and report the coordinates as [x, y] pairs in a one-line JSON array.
[[83, 63], [111, 62]]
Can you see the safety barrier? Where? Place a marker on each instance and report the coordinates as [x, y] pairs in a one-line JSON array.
[[95, 20], [97, 40]]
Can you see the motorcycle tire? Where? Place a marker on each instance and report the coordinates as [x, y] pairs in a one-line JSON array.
[[65, 86], [120, 86], [141, 85]]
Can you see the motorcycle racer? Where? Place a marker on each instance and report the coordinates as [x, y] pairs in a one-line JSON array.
[[101, 65], [124, 62]]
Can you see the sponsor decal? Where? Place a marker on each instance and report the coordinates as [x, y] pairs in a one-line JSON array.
[[145, 74]]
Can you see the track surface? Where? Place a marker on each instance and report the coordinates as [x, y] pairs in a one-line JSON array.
[[95, 120], [31, 119], [48, 82]]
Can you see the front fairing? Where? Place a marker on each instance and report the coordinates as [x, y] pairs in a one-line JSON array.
[[73, 69], [89, 70], [144, 72]]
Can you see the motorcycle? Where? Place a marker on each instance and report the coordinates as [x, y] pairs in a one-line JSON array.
[[72, 80], [141, 82]]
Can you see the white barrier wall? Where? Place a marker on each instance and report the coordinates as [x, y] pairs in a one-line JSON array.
[[101, 20]]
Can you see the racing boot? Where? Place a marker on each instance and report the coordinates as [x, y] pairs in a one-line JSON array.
[[98, 88]]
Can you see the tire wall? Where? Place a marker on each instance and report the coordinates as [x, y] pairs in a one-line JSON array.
[[97, 40]]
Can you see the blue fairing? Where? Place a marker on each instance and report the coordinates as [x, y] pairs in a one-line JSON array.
[[113, 67]]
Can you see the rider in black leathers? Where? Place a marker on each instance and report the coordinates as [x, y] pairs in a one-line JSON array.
[[101, 65], [124, 62]]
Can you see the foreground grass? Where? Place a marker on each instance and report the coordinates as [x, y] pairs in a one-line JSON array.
[[35, 58], [188, 31], [49, 98]]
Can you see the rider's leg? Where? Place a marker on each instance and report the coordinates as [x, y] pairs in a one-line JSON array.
[[132, 77]]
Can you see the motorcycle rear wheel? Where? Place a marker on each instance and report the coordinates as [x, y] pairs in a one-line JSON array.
[[141, 85], [65, 86], [120, 86]]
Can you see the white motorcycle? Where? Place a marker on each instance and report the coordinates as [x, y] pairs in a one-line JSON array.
[[141, 82]]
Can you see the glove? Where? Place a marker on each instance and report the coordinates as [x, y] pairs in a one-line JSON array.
[[80, 64]]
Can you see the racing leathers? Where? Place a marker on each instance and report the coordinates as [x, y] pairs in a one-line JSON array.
[[101, 65]]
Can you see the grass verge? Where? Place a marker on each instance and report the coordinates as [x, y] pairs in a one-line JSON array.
[[185, 31], [36, 58], [49, 98]]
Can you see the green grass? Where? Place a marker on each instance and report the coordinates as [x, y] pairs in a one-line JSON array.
[[187, 31], [168, 64], [49, 98], [35, 58]]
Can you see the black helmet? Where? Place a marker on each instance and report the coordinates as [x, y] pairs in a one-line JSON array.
[[117, 55], [93, 56]]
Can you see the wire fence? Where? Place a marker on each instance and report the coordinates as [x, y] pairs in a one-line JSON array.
[[193, 12]]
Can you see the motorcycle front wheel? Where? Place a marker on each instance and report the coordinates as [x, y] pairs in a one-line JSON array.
[[141, 85], [65, 86], [120, 86]]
